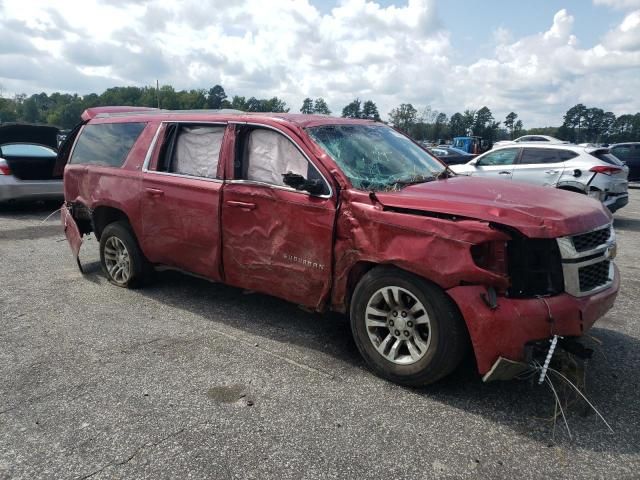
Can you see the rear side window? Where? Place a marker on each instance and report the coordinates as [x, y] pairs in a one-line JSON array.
[[106, 144], [565, 155], [192, 150], [533, 156]]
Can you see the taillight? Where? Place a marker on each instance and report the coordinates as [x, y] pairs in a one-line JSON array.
[[607, 170], [4, 168], [491, 256]]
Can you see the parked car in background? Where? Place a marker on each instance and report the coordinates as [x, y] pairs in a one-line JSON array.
[[348, 215], [629, 153], [471, 144], [546, 139], [591, 171], [27, 159], [450, 155]]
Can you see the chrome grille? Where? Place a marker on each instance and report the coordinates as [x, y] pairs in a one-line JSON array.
[[587, 265], [591, 240], [594, 276]]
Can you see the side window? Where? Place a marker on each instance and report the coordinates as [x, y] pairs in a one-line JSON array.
[[192, 150], [267, 155], [499, 157], [532, 156], [565, 155], [106, 144]]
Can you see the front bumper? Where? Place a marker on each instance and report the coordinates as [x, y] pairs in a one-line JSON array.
[[505, 331], [13, 189]]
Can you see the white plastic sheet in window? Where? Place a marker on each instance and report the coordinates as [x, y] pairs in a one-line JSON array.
[[271, 154], [198, 151]]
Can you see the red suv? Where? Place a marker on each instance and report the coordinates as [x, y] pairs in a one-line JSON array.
[[342, 214]]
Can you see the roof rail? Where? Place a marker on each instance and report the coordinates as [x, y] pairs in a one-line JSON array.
[[108, 112], [93, 112]]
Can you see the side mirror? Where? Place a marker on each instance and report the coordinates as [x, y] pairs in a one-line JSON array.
[[473, 163], [297, 181]]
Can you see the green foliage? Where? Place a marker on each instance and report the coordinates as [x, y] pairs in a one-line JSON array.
[[307, 106], [353, 110], [64, 110], [321, 107], [580, 123], [404, 117], [510, 123], [370, 111]]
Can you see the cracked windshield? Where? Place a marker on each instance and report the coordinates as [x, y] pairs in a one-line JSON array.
[[377, 157]]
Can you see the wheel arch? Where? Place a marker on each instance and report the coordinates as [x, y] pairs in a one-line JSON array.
[[572, 187], [103, 215]]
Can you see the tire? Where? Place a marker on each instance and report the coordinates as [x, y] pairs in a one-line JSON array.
[[116, 239], [438, 336]]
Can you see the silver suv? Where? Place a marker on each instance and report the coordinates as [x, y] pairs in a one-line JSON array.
[[587, 170]]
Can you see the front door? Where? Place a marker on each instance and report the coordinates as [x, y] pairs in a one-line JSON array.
[[276, 240], [181, 191], [496, 164], [540, 166]]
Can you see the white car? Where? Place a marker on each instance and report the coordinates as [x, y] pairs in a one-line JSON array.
[[591, 171], [546, 139]]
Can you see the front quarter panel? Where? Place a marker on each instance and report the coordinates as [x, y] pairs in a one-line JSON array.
[[437, 249]]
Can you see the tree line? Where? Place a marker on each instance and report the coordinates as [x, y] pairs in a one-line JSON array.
[[580, 123]]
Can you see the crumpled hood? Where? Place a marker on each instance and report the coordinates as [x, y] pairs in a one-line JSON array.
[[25, 133], [537, 212]]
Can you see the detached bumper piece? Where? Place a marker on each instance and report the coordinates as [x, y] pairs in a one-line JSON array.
[[568, 356], [72, 232]]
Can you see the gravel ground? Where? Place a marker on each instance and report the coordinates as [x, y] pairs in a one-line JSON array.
[[191, 379]]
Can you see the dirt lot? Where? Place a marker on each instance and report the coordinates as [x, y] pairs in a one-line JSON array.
[[187, 378]]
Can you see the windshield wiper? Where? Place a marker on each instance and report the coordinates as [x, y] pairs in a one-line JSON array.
[[411, 180]]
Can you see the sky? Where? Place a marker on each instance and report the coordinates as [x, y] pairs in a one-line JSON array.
[[537, 58]]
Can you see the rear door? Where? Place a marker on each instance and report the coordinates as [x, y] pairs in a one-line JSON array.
[[540, 166], [180, 198], [276, 240], [497, 163]]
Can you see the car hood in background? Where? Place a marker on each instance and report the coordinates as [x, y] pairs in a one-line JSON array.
[[25, 133], [537, 212]]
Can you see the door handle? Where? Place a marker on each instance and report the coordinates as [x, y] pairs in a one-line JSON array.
[[504, 172], [551, 172], [242, 205], [154, 192]]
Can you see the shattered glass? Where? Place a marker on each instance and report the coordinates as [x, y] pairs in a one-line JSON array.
[[376, 157]]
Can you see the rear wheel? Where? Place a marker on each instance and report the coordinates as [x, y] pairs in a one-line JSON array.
[[122, 261], [407, 329]]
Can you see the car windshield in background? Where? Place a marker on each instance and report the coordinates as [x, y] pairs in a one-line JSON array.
[[26, 150], [376, 157]]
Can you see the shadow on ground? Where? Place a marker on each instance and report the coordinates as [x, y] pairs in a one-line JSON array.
[[612, 380]]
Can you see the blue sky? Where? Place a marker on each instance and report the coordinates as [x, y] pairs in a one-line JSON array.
[[537, 58]]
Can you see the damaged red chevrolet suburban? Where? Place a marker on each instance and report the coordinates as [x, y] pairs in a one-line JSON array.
[[342, 214]]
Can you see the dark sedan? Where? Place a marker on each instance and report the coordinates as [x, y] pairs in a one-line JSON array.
[[629, 153], [450, 155]]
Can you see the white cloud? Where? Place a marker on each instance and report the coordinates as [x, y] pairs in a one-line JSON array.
[[290, 49], [619, 4]]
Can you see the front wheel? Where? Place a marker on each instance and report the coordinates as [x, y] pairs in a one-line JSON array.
[[407, 330]]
